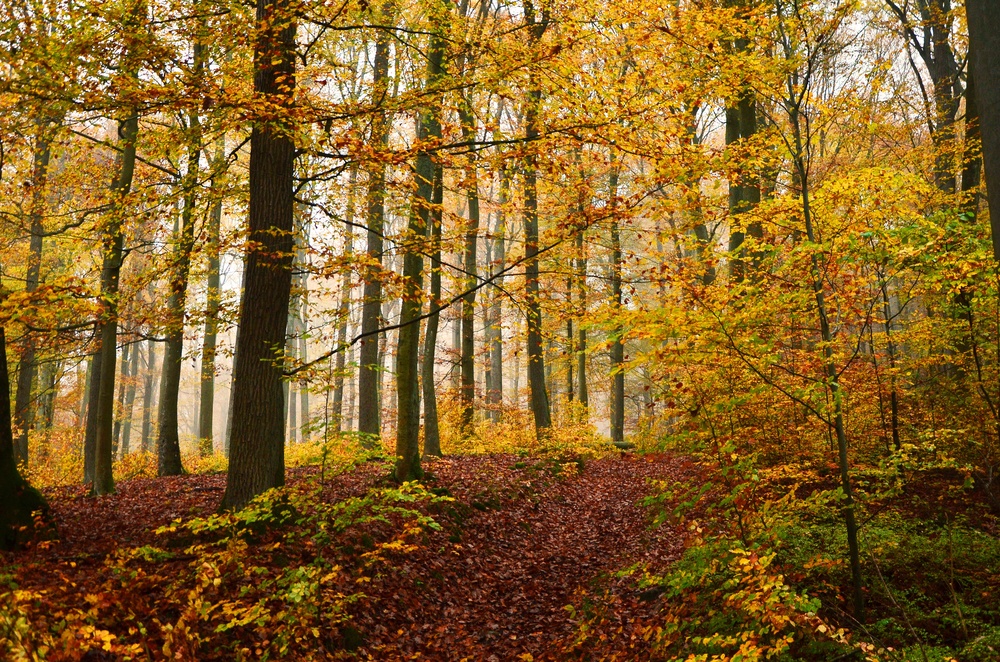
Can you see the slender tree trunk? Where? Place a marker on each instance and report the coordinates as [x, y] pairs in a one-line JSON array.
[[129, 401], [432, 436], [468, 357], [533, 307], [581, 333], [24, 416], [206, 408], [344, 310], [369, 376], [257, 459], [833, 378], [120, 400], [148, 389], [494, 390], [617, 346]]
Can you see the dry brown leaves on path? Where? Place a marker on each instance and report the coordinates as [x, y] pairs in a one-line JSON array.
[[521, 540]]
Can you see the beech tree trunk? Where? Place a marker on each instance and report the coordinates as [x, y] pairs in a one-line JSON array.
[[432, 436], [27, 368], [408, 342], [471, 184], [120, 400], [147, 395], [257, 459], [984, 48], [617, 347], [206, 408], [369, 376], [129, 406], [533, 307], [103, 482], [18, 500], [344, 309]]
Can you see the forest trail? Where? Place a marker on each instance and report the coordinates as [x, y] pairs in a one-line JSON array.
[[499, 590], [521, 539]]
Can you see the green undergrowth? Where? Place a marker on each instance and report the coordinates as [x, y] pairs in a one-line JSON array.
[[764, 574]]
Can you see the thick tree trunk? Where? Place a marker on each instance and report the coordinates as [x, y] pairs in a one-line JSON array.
[[168, 448], [206, 408], [369, 376], [257, 460], [110, 278], [408, 342], [984, 48], [18, 500], [432, 436], [744, 191], [92, 396]]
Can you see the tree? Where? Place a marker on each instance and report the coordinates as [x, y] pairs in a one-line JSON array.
[[257, 459], [533, 308], [984, 48], [19, 502]]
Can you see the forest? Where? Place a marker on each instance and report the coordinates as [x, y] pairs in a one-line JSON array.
[[500, 330]]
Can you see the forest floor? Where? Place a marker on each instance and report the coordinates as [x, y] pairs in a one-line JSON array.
[[521, 545]]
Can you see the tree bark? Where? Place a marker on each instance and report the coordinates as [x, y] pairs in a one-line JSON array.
[[147, 395], [18, 500], [369, 376], [471, 184], [617, 346], [257, 460], [533, 307], [206, 404], [110, 278], [27, 368], [408, 340], [984, 48], [129, 401], [432, 435]]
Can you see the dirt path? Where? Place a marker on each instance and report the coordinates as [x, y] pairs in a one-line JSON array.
[[498, 588]]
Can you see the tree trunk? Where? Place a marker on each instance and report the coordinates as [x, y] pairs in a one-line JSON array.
[[581, 333], [408, 340], [533, 306], [147, 395], [984, 48], [206, 404], [617, 347], [120, 400], [471, 184], [369, 376], [27, 368], [257, 460], [92, 395], [18, 500], [494, 388], [744, 191], [168, 448], [110, 278], [344, 309], [432, 436], [129, 401]]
